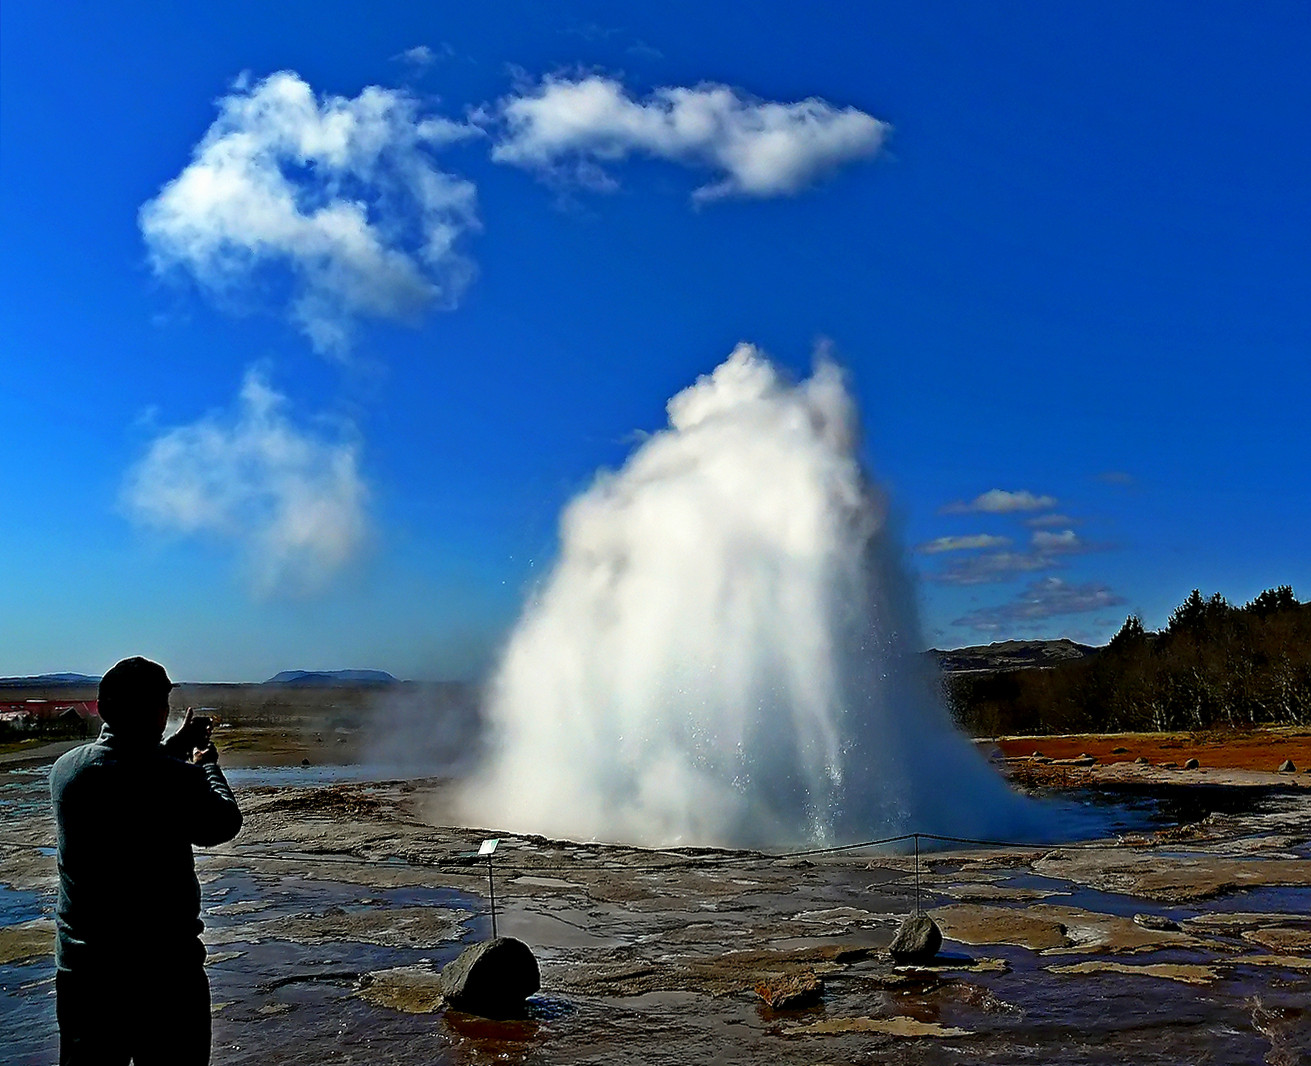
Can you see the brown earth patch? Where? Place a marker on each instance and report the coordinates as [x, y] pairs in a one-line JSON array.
[[1260, 749], [29, 941]]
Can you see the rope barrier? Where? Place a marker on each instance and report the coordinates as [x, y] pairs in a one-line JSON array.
[[682, 862], [690, 861]]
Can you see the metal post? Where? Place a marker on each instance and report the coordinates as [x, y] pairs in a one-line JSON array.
[[491, 889], [917, 873]]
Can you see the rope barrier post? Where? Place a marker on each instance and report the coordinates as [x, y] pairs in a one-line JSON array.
[[489, 849], [917, 873]]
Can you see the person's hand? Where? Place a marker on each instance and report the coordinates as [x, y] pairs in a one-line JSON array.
[[192, 733], [178, 743], [208, 753]]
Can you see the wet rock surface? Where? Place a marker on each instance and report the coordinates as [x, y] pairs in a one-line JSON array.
[[918, 939], [796, 992], [330, 920], [493, 978]]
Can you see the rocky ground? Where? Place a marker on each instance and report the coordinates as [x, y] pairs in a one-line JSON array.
[[1186, 938]]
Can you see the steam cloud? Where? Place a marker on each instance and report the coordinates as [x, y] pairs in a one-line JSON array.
[[761, 148], [340, 191], [293, 499], [726, 651]]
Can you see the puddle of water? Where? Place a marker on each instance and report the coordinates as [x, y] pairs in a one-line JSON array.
[[315, 775], [260, 1015], [19, 905], [27, 1014]]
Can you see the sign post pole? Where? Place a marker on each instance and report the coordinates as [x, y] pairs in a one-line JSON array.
[[489, 849]]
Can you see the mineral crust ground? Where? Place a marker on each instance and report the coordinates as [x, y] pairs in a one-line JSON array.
[[1183, 939]]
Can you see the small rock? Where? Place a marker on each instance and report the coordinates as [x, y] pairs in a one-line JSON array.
[[1036, 754], [1287, 767], [1118, 751], [918, 939], [1156, 921], [1169, 766], [492, 978], [1192, 764], [791, 993], [1143, 760]]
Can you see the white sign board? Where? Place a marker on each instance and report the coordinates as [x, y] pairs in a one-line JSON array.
[[488, 846]]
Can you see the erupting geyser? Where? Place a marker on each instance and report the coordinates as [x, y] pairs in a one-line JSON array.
[[727, 651]]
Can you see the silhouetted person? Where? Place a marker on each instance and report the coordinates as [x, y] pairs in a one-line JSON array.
[[130, 981]]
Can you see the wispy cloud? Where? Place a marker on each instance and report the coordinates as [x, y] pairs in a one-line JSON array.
[[1046, 521], [591, 32], [291, 497], [340, 192], [420, 56], [1001, 501], [1046, 552], [575, 126], [990, 567], [1047, 598], [958, 544], [1066, 542], [1116, 477]]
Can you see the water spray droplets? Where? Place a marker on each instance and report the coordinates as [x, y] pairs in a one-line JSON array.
[[721, 654]]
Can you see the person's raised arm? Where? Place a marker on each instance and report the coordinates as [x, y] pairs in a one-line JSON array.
[[215, 816]]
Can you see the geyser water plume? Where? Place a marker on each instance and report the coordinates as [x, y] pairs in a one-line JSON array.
[[727, 651]]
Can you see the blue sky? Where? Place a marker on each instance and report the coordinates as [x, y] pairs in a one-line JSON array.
[[299, 373]]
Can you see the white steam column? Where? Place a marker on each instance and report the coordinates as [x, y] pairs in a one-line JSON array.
[[727, 650]]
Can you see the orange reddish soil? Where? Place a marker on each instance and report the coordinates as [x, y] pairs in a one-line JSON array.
[[1261, 749]]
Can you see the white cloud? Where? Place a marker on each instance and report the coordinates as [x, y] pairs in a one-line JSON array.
[[958, 544], [291, 498], [1049, 597], [1000, 501], [342, 192], [758, 148], [1065, 542], [418, 56]]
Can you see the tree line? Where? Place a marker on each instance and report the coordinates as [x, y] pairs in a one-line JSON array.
[[1214, 665]]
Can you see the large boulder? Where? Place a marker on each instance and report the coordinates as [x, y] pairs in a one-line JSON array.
[[918, 939], [492, 978]]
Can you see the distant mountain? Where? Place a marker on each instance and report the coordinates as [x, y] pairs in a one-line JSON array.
[[309, 678], [1011, 655], [47, 680]]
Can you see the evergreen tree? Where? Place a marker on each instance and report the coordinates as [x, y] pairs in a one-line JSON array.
[[1131, 636], [1272, 601]]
